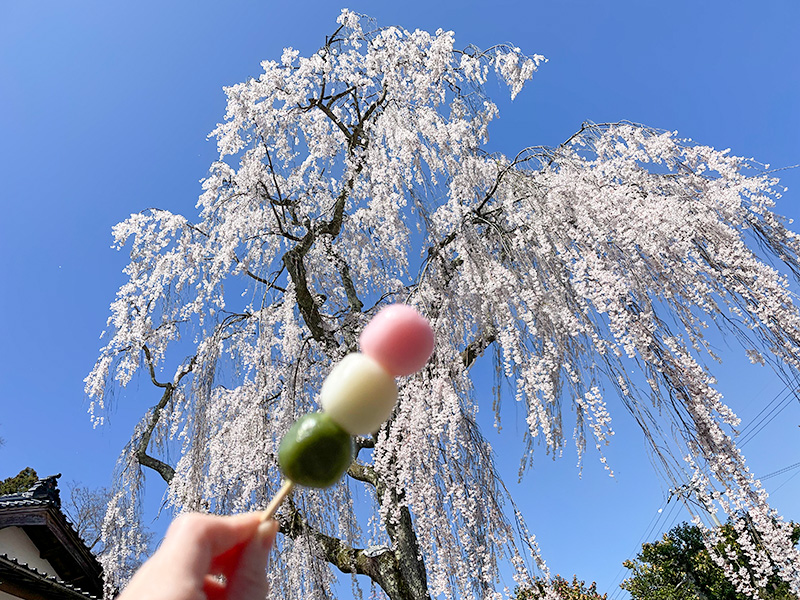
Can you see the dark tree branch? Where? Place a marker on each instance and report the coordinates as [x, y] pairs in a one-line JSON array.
[[408, 570], [358, 130], [344, 557], [249, 273], [275, 202], [476, 348], [332, 99], [293, 261], [363, 472], [166, 471], [380, 564], [163, 469], [149, 360], [332, 116], [361, 442], [356, 306]]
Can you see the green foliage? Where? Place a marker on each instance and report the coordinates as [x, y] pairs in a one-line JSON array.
[[679, 567], [22, 482], [576, 590]]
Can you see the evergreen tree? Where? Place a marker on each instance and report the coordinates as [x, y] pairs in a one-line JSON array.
[[21, 482], [680, 567], [563, 589]]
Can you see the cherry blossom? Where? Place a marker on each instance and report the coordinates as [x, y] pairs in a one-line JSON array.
[[356, 177]]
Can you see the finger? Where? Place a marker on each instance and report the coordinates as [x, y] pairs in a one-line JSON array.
[[249, 578], [194, 540]]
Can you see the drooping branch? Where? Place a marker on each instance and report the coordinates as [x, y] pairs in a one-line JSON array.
[[166, 471]]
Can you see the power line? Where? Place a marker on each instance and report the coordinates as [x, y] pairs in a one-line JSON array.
[[618, 577], [754, 427], [785, 482], [766, 406], [767, 419], [652, 527], [783, 399], [779, 471], [674, 519]]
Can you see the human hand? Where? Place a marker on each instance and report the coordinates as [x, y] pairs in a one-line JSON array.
[[207, 557]]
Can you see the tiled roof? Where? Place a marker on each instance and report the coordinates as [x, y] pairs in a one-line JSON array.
[[26, 501], [41, 580], [38, 512], [19, 500], [44, 490]]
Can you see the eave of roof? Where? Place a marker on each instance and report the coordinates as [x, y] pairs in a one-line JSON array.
[[31, 579], [44, 522]]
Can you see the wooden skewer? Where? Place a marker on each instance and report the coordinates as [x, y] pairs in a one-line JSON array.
[[286, 489]]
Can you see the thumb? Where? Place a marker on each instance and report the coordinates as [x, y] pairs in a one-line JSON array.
[[249, 580]]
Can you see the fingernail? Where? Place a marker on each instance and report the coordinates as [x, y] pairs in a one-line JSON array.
[[266, 532]]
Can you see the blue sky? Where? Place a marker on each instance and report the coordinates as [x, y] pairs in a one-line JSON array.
[[104, 111]]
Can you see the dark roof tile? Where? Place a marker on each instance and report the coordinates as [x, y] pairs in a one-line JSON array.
[[17, 500]]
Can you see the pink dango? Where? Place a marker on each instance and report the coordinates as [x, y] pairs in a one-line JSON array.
[[360, 392], [399, 338], [357, 396]]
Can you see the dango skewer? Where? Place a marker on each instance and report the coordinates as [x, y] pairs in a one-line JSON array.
[[357, 396]]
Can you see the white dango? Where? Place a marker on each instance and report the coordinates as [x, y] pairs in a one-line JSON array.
[[359, 394]]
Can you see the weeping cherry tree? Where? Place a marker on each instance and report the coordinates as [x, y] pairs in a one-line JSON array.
[[590, 272]]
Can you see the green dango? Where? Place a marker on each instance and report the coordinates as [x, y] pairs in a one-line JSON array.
[[316, 451]]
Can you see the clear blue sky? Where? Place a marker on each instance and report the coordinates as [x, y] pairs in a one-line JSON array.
[[104, 111]]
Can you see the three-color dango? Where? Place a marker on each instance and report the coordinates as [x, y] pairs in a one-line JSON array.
[[358, 395]]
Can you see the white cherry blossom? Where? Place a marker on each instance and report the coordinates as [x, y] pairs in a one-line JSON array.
[[357, 176]]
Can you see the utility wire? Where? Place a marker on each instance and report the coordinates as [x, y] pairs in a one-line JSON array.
[[653, 525], [779, 471], [660, 516], [618, 577], [783, 399], [785, 482], [767, 419], [766, 407], [674, 519]]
